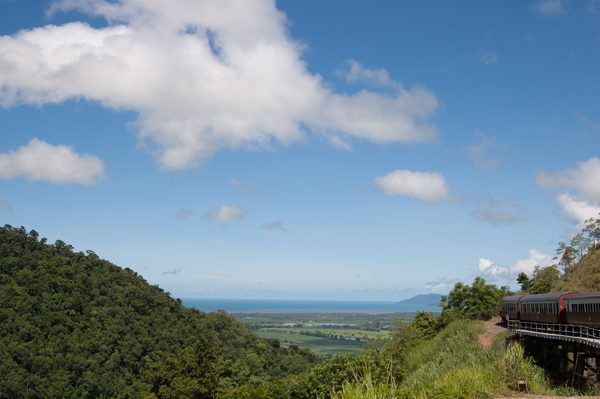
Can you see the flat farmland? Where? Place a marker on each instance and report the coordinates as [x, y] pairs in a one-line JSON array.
[[343, 332], [316, 330], [321, 346]]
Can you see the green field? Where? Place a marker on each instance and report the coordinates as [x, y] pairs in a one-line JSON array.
[[354, 325], [345, 332], [337, 318], [322, 346]]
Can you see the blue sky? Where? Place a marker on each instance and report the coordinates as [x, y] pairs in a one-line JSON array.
[[302, 150]]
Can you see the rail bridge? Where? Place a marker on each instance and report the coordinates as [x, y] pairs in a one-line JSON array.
[[582, 341]]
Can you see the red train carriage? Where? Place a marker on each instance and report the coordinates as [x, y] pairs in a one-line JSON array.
[[510, 307], [583, 308], [548, 308]]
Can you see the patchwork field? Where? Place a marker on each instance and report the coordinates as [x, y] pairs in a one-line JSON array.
[[322, 346], [317, 330]]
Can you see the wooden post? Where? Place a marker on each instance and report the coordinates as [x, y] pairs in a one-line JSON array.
[[579, 369]]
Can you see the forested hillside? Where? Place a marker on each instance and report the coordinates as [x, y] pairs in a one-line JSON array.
[[75, 326], [579, 260]]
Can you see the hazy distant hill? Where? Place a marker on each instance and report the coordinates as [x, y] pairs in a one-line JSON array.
[[424, 299]]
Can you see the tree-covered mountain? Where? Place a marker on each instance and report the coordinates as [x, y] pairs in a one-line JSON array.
[[73, 325]]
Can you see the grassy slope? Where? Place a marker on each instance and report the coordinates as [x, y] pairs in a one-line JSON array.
[[583, 277]]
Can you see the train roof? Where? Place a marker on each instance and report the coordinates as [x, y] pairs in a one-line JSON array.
[[584, 295], [514, 298], [554, 296]]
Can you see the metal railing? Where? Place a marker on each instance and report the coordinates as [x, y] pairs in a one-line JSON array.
[[565, 332]]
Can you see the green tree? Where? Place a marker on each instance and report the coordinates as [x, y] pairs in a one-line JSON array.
[[478, 301], [592, 229], [525, 282], [581, 242], [544, 279], [425, 323], [568, 255], [194, 374]]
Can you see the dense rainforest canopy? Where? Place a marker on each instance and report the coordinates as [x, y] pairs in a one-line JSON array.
[[73, 325]]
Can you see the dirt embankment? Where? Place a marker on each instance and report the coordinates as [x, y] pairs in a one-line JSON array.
[[493, 327]]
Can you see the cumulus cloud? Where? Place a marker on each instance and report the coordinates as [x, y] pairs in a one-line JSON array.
[[353, 71], [548, 8], [276, 225], [500, 212], [580, 195], [246, 187], [174, 271], [39, 160], [202, 75], [226, 213], [479, 153], [428, 187], [440, 284], [488, 57], [183, 214], [492, 271], [4, 207]]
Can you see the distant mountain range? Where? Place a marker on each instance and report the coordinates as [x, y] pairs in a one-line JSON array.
[[424, 299]]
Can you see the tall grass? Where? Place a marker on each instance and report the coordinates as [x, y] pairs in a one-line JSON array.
[[452, 365], [367, 389]]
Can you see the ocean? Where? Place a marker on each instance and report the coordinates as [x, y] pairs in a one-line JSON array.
[[300, 306]]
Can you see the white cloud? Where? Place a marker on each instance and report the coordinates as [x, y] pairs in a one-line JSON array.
[[354, 71], [579, 211], [580, 197], [488, 57], [247, 187], [39, 160], [428, 187], [183, 214], [491, 271], [4, 207], [479, 153], [276, 225], [226, 213], [548, 8], [500, 212], [202, 75], [440, 284]]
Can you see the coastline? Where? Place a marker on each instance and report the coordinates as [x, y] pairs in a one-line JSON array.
[[304, 306]]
